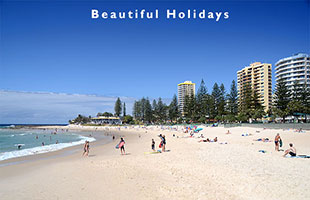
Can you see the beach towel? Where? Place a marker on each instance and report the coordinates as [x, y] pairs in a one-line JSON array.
[[298, 156]]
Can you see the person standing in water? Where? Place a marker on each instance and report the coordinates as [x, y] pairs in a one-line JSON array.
[[86, 148], [121, 145], [277, 141]]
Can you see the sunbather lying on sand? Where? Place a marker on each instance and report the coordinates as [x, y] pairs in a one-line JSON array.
[[262, 139], [208, 140]]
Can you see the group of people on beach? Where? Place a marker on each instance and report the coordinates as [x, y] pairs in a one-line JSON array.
[[121, 145], [162, 143], [278, 143]]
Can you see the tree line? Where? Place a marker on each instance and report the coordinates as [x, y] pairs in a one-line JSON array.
[[203, 107], [291, 102], [157, 112], [219, 105]]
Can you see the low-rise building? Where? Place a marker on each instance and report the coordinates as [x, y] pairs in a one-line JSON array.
[[101, 120]]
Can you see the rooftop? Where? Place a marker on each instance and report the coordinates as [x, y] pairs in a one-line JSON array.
[[186, 83], [297, 55], [103, 117]]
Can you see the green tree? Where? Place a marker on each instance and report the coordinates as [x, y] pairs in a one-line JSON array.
[[282, 98], [142, 106], [124, 109], [222, 100], [230, 118], [242, 117], [257, 107], [137, 110], [107, 114], [118, 107], [190, 108], [81, 119], [173, 109], [216, 94], [233, 99], [154, 111], [202, 90], [246, 102], [161, 110], [148, 111], [202, 101], [211, 110], [305, 99], [295, 107], [128, 119]]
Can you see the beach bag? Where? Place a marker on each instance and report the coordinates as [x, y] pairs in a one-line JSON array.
[[160, 145]]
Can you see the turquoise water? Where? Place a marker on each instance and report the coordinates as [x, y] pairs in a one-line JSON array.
[[30, 141]]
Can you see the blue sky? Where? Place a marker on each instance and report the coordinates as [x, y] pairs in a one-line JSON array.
[[54, 46]]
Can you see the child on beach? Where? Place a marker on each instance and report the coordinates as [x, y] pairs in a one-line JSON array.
[[153, 145], [86, 148]]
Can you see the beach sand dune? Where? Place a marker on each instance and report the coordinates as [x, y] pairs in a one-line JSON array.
[[190, 170]]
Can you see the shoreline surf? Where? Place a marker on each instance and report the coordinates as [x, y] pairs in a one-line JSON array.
[[43, 149]]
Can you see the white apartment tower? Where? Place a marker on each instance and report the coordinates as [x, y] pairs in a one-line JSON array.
[[185, 89], [294, 68]]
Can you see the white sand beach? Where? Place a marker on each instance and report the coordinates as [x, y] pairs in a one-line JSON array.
[[190, 170]]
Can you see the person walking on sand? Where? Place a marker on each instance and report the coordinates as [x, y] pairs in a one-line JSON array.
[[161, 142], [277, 141], [164, 143], [291, 151], [86, 148], [153, 145], [121, 145]]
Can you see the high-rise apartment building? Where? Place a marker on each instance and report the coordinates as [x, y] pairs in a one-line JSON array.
[[185, 89], [293, 69], [258, 77]]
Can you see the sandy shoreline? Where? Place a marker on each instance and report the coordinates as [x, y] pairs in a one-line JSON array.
[[191, 170]]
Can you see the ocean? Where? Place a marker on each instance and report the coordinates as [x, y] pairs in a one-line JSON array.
[[22, 142]]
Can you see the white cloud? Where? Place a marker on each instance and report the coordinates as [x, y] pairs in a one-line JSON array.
[[40, 108]]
